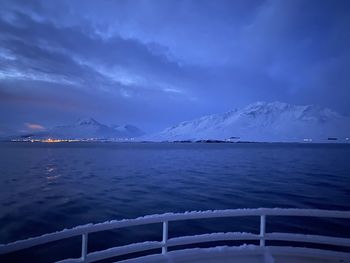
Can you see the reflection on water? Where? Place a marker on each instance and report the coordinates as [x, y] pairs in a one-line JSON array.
[[51, 172]]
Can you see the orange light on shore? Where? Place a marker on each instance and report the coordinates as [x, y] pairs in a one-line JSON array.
[[50, 140], [54, 140]]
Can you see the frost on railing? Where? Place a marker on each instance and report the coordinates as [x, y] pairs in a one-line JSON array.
[[166, 218]]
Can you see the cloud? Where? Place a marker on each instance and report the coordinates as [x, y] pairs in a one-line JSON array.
[[173, 90], [34, 126], [75, 55], [144, 61]]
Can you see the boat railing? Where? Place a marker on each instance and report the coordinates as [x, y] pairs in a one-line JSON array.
[[167, 242]]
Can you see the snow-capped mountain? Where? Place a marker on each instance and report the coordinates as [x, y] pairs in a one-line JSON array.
[[264, 122], [88, 128]]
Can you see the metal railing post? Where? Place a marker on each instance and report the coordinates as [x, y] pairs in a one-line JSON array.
[[262, 230], [84, 246], [165, 237]]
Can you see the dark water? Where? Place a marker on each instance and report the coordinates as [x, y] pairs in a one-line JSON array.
[[48, 187]]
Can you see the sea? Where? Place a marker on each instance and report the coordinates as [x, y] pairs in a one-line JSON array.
[[47, 187]]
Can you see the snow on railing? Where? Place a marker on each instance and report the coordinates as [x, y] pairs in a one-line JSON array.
[[263, 213]]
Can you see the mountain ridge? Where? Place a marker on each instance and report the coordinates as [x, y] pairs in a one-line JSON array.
[[87, 128], [264, 122]]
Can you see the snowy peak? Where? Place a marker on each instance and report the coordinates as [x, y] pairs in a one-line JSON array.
[[306, 113], [90, 129], [87, 121], [262, 121], [263, 107]]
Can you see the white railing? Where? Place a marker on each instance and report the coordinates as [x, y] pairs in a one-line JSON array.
[[263, 213]]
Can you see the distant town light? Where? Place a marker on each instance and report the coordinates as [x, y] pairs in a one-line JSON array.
[[307, 140]]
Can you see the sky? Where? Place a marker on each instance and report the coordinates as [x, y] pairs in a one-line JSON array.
[[154, 63]]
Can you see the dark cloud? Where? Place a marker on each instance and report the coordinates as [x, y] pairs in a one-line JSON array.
[[157, 62]]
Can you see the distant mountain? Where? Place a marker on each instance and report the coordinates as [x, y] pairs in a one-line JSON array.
[[264, 122], [88, 128], [128, 130]]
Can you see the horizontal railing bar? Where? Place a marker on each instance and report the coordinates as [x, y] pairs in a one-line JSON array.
[[39, 240], [114, 224], [186, 240], [316, 239], [213, 237], [70, 260], [117, 251]]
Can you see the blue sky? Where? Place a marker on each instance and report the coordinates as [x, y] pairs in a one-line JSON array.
[[155, 63]]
